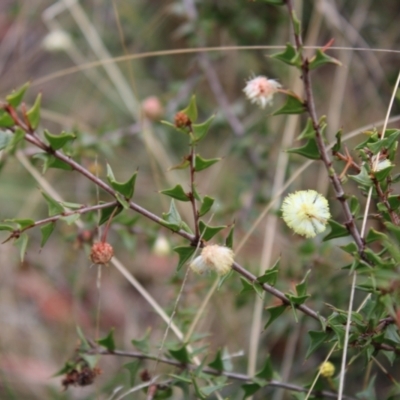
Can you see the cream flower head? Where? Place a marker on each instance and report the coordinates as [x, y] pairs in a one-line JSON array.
[[260, 90], [213, 258], [57, 40], [306, 212]]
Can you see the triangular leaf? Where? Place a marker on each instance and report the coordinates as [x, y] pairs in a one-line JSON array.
[[293, 105], [33, 114], [108, 341], [58, 141], [125, 188], [200, 130], [54, 207], [229, 238], [309, 150], [337, 231], [191, 109], [208, 232], [46, 230], [317, 338], [6, 119], [180, 354], [22, 243], [14, 99], [176, 192], [267, 372], [142, 344], [202, 163], [250, 389], [270, 276], [321, 58], [289, 56], [184, 252], [274, 312], [132, 368], [206, 205], [308, 132], [217, 363], [106, 213]]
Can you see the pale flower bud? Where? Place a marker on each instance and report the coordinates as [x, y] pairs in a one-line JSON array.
[[57, 40], [161, 246], [327, 369], [152, 108], [213, 258], [306, 212], [260, 90]]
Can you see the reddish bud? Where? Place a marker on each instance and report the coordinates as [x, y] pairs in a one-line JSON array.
[[182, 120], [101, 253]]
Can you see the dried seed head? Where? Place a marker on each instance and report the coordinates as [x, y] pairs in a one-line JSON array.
[[327, 369], [101, 253], [213, 258], [182, 120]]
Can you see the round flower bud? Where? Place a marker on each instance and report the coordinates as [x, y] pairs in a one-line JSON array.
[[327, 369], [213, 258], [161, 246], [152, 108], [306, 212], [101, 253], [260, 90], [57, 40], [181, 120]]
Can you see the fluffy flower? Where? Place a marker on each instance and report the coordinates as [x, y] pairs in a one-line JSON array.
[[306, 212], [260, 90], [213, 258], [327, 369], [57, 40]]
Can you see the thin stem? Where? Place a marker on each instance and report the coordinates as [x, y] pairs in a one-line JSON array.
[[192, 159], [209, 371]]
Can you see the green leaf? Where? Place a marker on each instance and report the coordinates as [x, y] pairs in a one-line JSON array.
[[132, 368], [250, 389], [201, 163], [362, 178], [58, 141], [270, 276], [338, 144], [293, 105], [173, 219], [337, 231], [22, 243], [84, 345], [6, 120], [177, 193], [71, 219], [46, 230], [105, 213], [54, 207], [320, 59], [308, 132], [369, 393], [50, 161], [126, 188], [274, 312], [22, 223], [309, 150], [207, 232], [382, 174], [143, 343], [198, 392], [289, 56], [184, 252], [317, 338], [267, 372], [200, 130], [180, 354], [340, 333], [354, 205], [217, 363], [18, 135], [33, 114], [108, 341], [296, 23], [191, 109], [301, 288], [394, 201], [14, 99], [374, 235], [5, 138], [7, 227], [206, 205], [251, 287], [229, 238], [182, 165]]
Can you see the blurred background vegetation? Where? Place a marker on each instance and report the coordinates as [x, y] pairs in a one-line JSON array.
[[115, 109]]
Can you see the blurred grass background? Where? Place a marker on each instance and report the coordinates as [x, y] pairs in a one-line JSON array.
[[53, 290]]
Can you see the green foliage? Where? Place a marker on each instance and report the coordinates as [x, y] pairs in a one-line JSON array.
[[309, 150], [293, 105], [202, 163], [108, 341], [177, 193], [320, 59], [208, 232], [289, 56], [185, 253], [33, 114], [14, 99], [58, 141], [127, 188]]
